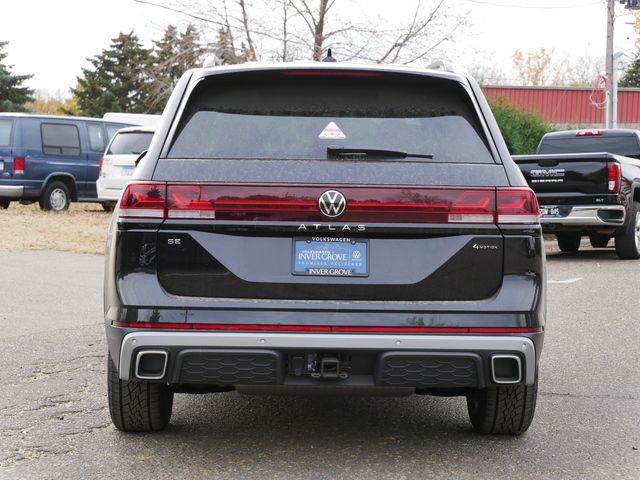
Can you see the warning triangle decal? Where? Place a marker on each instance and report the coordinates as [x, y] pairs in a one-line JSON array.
[[332, 132]]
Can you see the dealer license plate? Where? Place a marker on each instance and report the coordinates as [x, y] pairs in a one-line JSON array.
[[331, 257]]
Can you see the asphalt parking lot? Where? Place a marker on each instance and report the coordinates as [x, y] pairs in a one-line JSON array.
[[54, 421]]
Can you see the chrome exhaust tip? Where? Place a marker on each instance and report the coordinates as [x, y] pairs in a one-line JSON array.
[[151, 364], [506, 369]]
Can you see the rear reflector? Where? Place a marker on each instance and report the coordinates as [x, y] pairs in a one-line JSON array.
[[326, 328], [614, 175], [297, 203], [18, 165]]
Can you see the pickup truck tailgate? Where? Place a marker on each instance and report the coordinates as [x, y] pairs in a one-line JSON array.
[[584, 173]]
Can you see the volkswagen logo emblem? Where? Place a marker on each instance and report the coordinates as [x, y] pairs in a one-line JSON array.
[[332, 203]]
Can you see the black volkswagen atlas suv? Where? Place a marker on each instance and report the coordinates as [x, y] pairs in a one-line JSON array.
[[325, 228]]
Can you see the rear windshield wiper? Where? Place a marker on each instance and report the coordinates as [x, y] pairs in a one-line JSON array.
[[356, 153]]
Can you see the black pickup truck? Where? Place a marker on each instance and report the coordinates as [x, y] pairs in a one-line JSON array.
[[588, 183]]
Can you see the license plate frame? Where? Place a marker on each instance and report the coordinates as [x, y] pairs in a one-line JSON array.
[[550, 211], [351, 265], [127, 171]]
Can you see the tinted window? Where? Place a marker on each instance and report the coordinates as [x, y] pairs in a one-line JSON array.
[[96, 137], [5, 132], [622, 145], [130, 143], [279, 116], [60, 139]]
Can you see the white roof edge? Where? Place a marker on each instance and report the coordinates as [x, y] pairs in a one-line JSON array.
[[57, 117], [132, 118], [141, 128], [310, 65]]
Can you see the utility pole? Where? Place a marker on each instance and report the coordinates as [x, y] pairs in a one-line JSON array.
[[611, 16], [611, 64]]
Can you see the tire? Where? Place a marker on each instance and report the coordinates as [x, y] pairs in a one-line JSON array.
[[56, 197], [108, 206], [628, 242], [138, 406], [568, 242], [506, 410], [4, 203], [599, 240]]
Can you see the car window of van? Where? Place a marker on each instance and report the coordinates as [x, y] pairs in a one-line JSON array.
[[5, 132], [60, 139], [96, 137], [112, 130]]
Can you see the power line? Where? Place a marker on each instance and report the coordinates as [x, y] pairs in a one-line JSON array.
[[538, 7]]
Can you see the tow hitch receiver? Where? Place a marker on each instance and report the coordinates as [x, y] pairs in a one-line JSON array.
[[319, 366], [330, 367]]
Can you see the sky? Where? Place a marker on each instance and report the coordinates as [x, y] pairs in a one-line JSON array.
[[53, 38]]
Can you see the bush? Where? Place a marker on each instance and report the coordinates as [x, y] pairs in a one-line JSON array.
[[521, 130]]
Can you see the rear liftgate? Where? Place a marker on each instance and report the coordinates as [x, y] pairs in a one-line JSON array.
[[309, 242]]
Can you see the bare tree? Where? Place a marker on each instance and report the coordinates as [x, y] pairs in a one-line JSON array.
[[532, 67], [355, 29], [315, 21], [486, 73], [576, 71], [247, 30], [420, 22], [543, 67]]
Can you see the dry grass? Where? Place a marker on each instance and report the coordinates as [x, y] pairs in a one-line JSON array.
[[82, 229]]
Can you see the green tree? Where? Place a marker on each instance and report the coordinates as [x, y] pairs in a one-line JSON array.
[[171, 56], [116, 81], [521, 130], [13, 94], [631, 77]]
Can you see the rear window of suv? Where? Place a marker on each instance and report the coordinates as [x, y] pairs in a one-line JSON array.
[[297, 115], [130, 143]]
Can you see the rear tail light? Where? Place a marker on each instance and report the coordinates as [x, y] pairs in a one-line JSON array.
[[517, 205], [614, 175], [143, 200], [18, 165], [189, 201], [103, 166], [242, 203], [473, 206], [588, 133], [331, 73], [280, 203]]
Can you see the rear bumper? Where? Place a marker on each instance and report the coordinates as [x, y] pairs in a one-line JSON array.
[[589, 215], [11, 191], [379, 360]]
